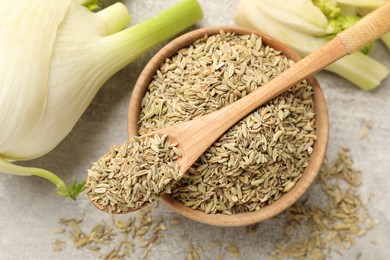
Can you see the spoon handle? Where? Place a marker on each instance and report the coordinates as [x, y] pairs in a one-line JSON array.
[[367, 30], [198, 134]]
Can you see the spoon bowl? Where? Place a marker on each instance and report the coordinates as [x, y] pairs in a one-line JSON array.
[[319, 149]]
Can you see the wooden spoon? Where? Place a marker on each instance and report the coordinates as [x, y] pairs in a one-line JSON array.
[[195, 136]]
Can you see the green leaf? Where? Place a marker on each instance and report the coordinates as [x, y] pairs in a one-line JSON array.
[[75, 189]]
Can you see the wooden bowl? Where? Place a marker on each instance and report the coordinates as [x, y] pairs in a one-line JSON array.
[[316, 159]]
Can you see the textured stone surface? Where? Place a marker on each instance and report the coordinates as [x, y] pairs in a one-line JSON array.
[[30, 210]]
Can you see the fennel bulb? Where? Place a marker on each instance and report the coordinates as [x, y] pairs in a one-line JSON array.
[[54, 57]]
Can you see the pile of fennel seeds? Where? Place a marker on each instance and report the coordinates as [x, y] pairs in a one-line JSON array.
[[116, 240], [317, 229], [262, 156], [133, 174]]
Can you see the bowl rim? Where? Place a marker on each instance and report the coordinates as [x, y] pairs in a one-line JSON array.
[[319, 149]]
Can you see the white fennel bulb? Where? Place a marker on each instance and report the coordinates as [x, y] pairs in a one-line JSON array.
[[54, 57]]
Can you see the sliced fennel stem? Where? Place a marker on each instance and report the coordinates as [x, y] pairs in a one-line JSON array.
[[10, 168], [360, 69]]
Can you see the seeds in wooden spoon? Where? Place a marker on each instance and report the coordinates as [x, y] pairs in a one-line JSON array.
[[133, 174]]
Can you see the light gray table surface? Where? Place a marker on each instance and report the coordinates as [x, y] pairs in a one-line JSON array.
[[29, 208]]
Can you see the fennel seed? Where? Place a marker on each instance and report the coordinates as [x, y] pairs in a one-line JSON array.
[[59, 230], [233, 250], [175, 221], [367, 126], [58, 245]]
